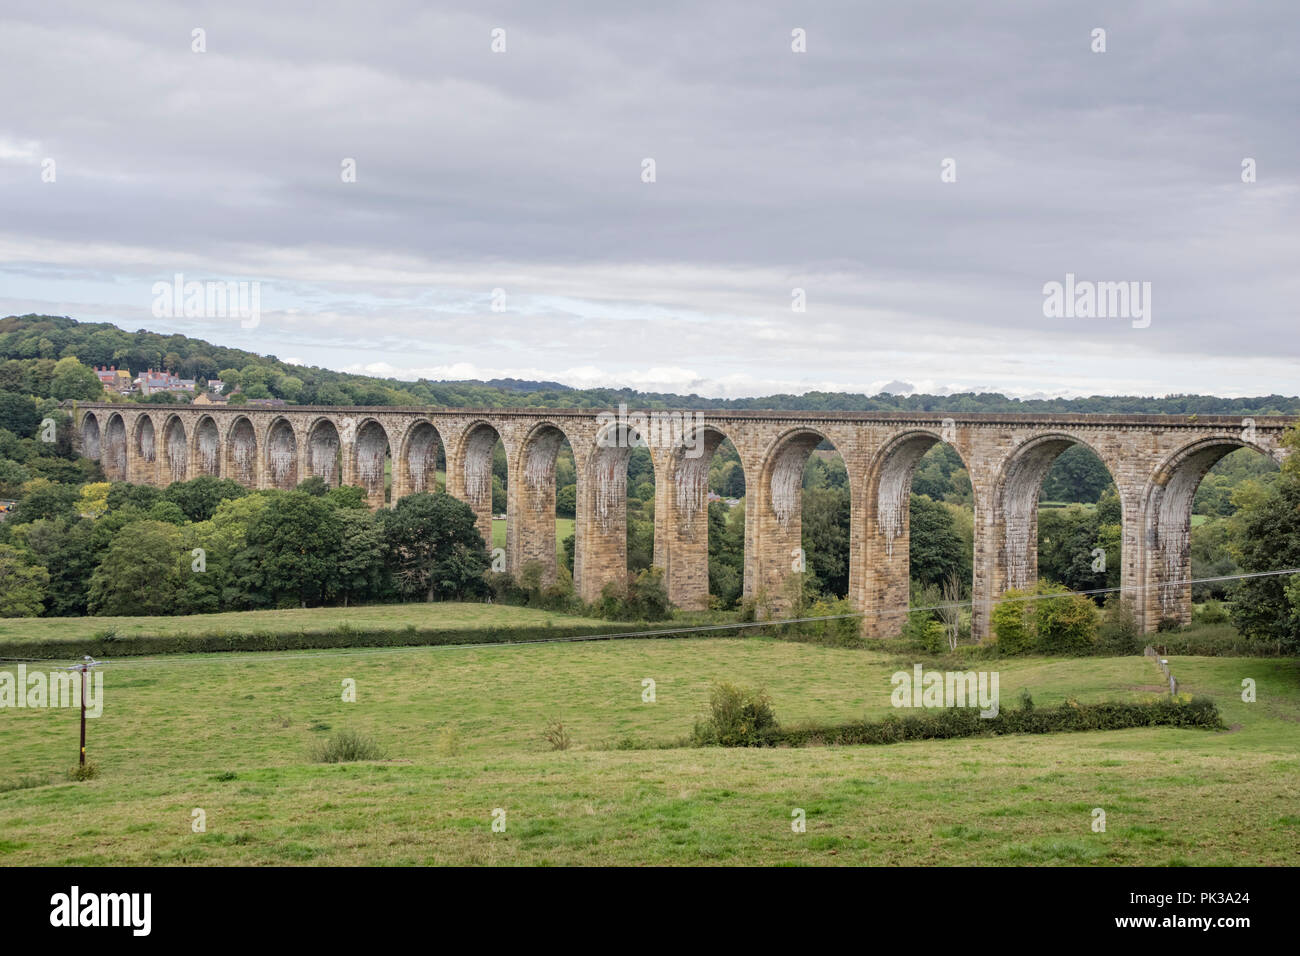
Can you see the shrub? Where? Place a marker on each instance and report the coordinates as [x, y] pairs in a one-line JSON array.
[[83, 771], [922, 631], [1056, 621], [347, 746], [1211, 612], [1013, 624], [1066, 623], [1119, 633], [738, 717], [556, 735], [647, 596], [837, 631], [966, 722]]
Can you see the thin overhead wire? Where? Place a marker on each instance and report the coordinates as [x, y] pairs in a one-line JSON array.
[[258, 657]]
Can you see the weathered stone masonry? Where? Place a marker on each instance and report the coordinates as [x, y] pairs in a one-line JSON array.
[[1157, 462]]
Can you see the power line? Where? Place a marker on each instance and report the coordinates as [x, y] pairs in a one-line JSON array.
[[268, 657]]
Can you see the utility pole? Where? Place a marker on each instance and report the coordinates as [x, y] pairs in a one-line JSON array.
[[86, 664]]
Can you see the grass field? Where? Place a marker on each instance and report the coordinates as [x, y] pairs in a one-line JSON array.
[[441, 614], [462, 728], [563, 528]]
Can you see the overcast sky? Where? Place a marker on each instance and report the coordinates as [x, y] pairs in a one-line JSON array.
[[774, 170]]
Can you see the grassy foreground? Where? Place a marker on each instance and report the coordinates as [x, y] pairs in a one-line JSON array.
[[462, 728]]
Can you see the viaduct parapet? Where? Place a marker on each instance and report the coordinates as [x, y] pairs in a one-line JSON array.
[[1156, 461]]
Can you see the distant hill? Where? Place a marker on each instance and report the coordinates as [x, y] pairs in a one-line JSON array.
[[30, 344]]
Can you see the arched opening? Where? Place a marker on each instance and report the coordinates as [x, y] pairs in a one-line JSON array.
[[242, 451], [281, 455], [207, 447], [424, 463], [1169, 506], [1080, 525], [483, 463], [374, 465], [176, 449], [792, 551], [711, 505], [1043, 471], [323, 453], [1238, 478], [145, 447], [920, 533], [640, 509], [90, 436], [539, 540], [825, 516], [113, 452]]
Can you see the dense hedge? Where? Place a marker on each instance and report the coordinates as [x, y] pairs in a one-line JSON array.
[[107, 645], [966, 722]]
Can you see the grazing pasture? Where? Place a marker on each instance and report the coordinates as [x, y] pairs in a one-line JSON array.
[[462, 732]]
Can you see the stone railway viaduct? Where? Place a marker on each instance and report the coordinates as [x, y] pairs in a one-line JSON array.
[[1156, 461]]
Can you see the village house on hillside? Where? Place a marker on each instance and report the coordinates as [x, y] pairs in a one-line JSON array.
[[115, 379], [152, 381]]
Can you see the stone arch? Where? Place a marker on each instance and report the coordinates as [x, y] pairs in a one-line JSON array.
[[791, 459], [281, 455], [1167, 510], [885, 524], [176, 449], [207, 447], [418, 467], [144, 447], [531, 494], [477, 443], [1015, 503], [682, 518], [241, 452], [777, 513], [323, 444], [113, 453], [373, 450], [90, 436]]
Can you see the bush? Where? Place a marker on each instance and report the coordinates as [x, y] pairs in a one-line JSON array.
[[1211, 612], [1066, 623], [1056, 621], [946, 723], [556, 735], [643, 598], [1012, 623], [1119, 633], [835, 631], [738, 717], [347, 746], [83, 771]]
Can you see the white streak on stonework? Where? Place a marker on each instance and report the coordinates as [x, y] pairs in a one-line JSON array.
[[147, 441], [176, 451], [209, 448], [478, 466], [282, 456]]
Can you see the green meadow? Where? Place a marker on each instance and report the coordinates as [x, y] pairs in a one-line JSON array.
[[563, 528], [462, 733]]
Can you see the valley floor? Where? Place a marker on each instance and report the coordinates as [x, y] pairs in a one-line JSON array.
[[462, 728]]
